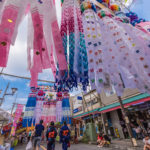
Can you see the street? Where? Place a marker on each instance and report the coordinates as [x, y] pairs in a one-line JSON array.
[[76, 147]]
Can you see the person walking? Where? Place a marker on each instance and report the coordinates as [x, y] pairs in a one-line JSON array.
[[51, 136], [75, 136], [39, 130], [29, 135], [65, 136]]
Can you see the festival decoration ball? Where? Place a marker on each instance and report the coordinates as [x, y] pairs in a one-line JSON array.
[[41, 93], [115, 7], [59, 94], [106, 1]]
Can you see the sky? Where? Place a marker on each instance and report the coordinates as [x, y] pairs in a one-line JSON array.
[[17, 63], [142, 8]]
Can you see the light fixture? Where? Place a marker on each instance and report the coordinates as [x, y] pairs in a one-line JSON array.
[[14, 90]]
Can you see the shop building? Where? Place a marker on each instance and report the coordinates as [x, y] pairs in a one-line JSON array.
[[105, 113]]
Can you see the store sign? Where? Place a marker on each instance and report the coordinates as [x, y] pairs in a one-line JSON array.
[[79, 100], [77, 110]]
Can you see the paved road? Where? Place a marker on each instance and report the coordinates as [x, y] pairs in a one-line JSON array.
[[75, 147]]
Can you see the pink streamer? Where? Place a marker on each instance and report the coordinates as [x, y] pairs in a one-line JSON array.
[[58, 46], [53, 67], [6, 32]]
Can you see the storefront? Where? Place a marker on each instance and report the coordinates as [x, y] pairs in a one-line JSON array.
[[139, 114], [138, 110]]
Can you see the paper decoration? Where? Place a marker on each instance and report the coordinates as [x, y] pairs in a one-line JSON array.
[[38, 111], [44, 38], [16, 118], [72, 35], [59, 110], [49, 112], [28, 118], [144, 26], [66, 109], [121, 50]]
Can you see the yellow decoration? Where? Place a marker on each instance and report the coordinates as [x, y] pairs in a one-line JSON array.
[[94, 36], [88, 35], [10, 21], [133, 45]]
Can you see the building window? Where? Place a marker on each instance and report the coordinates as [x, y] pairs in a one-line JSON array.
[[94, 101]]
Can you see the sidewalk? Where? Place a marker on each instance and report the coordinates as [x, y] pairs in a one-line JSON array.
[[125, 144]]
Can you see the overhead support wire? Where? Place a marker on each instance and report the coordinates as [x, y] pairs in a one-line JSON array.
[[26, 78]]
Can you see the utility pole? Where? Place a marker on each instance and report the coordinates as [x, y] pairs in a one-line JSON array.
[[2, 99], [102, 115], [127, 121]]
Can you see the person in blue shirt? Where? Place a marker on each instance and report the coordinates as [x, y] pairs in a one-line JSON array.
[[65, 136], [50, 136], [39, 130]]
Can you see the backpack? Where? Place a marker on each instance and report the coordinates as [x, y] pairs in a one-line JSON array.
[[65, 133], [52, 133]]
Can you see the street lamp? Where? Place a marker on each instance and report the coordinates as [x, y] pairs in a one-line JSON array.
[[13, 91]]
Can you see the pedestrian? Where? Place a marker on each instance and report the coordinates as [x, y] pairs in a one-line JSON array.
[[99, 139], [29, 135], [138, 132], [65, 136], [75, 136], [22, 136], [125, 132], [39, 130], [51, 136], [146, 141], [148, 131]]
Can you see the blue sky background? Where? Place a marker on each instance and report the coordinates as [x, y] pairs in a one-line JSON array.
[[142, 8], [17, 63]]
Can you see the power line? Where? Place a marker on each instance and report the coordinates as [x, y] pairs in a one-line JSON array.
[[26, 78]]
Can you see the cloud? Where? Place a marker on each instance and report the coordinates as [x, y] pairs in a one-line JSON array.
[[28, 84], [22, 100]]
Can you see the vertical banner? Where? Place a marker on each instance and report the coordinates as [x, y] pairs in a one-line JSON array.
[[28, 118], [16, 118], [38, 111], [66, 109]]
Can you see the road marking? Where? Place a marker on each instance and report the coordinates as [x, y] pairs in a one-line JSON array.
[[43, 147]]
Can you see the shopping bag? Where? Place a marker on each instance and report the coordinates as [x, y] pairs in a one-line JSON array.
[[29, 146], [57, 138]]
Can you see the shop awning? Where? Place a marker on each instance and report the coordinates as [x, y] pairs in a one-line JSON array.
[[5, 117], [87, 113], [127, 102]]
